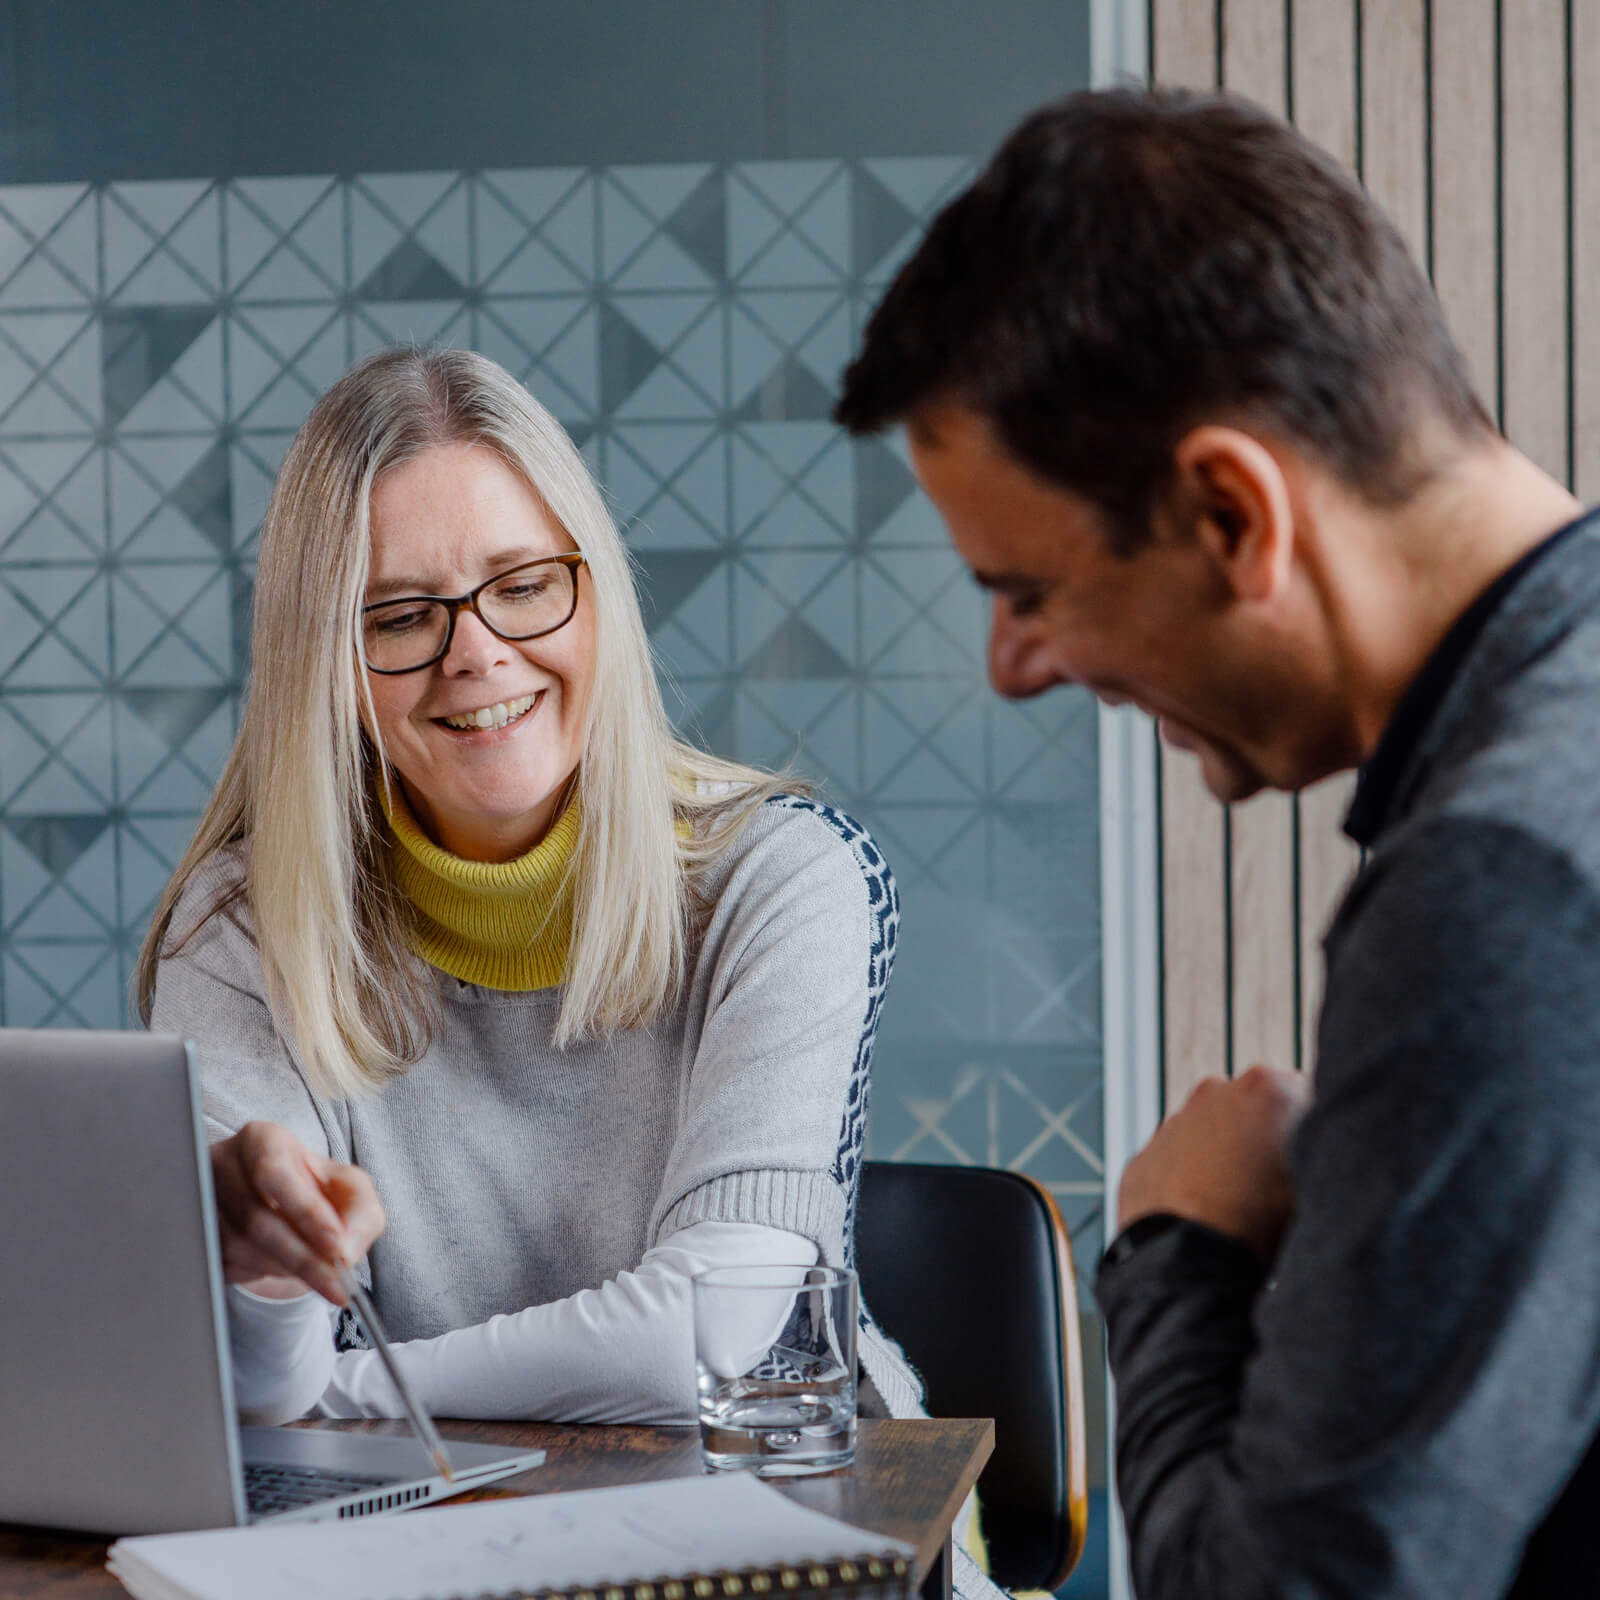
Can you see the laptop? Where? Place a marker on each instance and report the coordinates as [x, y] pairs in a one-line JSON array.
[[116, 1395]]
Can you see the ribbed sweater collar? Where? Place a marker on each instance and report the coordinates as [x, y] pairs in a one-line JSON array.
[[505, 925]]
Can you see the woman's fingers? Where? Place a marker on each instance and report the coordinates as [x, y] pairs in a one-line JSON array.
[[290, 1218]]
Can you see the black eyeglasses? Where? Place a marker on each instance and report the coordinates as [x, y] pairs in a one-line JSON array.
[[525, 603]]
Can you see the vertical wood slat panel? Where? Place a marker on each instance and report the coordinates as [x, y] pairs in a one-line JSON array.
[[1534, 229], [1465, 241], [1255, 51], [1261, 921], [1183, 42], [1585, 114], [1183, 50], [1394, 135], [1324, 95], [1324, 68]]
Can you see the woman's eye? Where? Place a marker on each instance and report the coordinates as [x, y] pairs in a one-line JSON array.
[[391, 623], [522, 590]]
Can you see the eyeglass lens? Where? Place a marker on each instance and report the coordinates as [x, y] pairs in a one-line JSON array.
[[518, 605]]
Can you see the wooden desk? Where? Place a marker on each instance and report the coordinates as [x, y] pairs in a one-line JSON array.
[[908, 1481]]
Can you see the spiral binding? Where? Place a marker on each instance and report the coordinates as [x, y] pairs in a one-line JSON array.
[[883, 1577]]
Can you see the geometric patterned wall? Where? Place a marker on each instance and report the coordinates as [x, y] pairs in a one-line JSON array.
[[159, 344]]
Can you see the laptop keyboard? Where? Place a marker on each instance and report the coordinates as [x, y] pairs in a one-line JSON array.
[[270, 1489]]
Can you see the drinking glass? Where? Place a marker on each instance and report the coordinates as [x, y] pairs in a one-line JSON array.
[[775, 1349]]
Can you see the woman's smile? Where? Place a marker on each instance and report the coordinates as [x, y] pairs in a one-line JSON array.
[[494, 718]]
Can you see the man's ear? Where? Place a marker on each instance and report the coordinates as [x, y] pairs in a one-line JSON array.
[[1242, 510]]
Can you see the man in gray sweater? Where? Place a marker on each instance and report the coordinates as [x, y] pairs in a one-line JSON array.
[[1192, 415]]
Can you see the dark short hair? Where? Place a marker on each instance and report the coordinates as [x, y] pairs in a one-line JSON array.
[[1132, 263]]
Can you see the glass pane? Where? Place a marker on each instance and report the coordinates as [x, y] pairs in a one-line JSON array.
[[670, 221]]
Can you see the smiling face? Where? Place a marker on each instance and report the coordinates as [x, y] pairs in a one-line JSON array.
[[1163, 629], [442, 523]]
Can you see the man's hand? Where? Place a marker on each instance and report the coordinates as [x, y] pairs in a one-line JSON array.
[[289, 1219], [1222, 1159]]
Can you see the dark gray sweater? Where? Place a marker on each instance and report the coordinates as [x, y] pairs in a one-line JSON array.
[[1411, 1406]]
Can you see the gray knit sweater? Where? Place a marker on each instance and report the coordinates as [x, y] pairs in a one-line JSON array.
[[516, 1174]]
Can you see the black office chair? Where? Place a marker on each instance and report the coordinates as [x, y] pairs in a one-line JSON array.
[[970, 1268]]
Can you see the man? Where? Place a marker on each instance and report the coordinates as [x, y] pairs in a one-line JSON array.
[[1192, 416]]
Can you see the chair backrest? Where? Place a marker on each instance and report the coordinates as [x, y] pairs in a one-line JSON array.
[[970, 1269]]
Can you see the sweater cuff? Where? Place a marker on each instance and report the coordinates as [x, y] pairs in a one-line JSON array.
[[1173, 1256], [808, 1203]]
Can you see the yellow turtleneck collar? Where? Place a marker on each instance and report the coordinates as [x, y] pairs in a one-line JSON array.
[[506, 925]]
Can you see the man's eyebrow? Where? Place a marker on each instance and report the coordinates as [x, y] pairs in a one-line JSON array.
[[1002, 582]]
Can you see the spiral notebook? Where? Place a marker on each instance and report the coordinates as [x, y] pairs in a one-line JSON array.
[[711, 1538]]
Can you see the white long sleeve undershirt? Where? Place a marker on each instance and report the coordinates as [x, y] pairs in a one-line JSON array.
[[623, 1352]]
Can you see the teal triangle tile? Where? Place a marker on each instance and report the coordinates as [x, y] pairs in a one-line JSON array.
[[38, 208], [76, 374], [796, 650], [757, 484], [174, 660], [319, 237], [284, 203], [19, 634], [166, 408], [660, 187], [925, 776], [663, 264], [532, 267], [701, 356], [164, 837], [141, 877], [15, 247], [627, 357], [699, 224], [44, 463], [879, 220], [44, 410], [789, 261], [160, 204], [99, 1000], [790, 392], [829, 348], [702, 618], [752, 222], [418, 322], [162, 279], [831, 606], [410, 196], [206, 621], [803, 704], [787, 186], [92, 870], [205, 496], [666, 523], [666, 394], [126, 243], [241, 595], [886, 609], [669, 577], [39, 282], [373, 233], [497, 231], [763, 741], [444, 233], [208, 747], [23, 878], [793, 448], [251, 236], [624, 228], [28, 1003], [534, 193], [681, 653], [135, 491], [53, 845], [46, 536], [284, 403], [914, 525], [137, 622], [791, 316], [887, 738], [251, 477], [50, 590], [285, 331], [569, 229], [196, 241], [139, 347], [57, 791], [41, 337], [253, 362], [284, 275], [533, 324], [172, 787], [665, 319], [167, 536], [82, 628], [824, 220], [709, 719], [322, 362], [198, 371], [74, 245], [79, 499], [410, 272], [667, 449], [753, 353], [827, 483], [883, 484], [140, 749], [702, 485], [920, 183], [792, 523]]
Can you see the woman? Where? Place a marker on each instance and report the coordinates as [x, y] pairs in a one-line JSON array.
[[469, 941]]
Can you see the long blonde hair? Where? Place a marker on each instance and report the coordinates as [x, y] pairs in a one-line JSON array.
[[301, 783]]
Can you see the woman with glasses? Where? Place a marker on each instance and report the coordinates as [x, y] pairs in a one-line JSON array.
[[488, 973]]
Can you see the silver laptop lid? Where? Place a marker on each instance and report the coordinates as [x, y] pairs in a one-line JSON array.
[[116, 1402]]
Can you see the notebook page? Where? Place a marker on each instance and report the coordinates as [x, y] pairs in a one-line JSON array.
[[591, 1537]]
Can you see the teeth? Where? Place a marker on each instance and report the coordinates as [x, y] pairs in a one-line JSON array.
[[495, 716]]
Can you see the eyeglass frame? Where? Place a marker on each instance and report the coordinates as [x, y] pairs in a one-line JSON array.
[[455, 604]]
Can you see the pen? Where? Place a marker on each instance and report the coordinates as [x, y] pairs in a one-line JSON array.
[[420, 1421]]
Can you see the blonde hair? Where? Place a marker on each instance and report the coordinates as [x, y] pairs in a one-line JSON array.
[[301, 783]]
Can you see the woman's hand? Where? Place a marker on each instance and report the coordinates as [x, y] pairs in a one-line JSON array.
[[289, 1219]]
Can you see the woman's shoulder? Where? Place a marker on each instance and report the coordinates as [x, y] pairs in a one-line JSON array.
[[793, 842], [214, 907]]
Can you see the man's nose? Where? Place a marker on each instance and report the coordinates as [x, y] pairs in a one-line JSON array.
[[1020, 661]]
